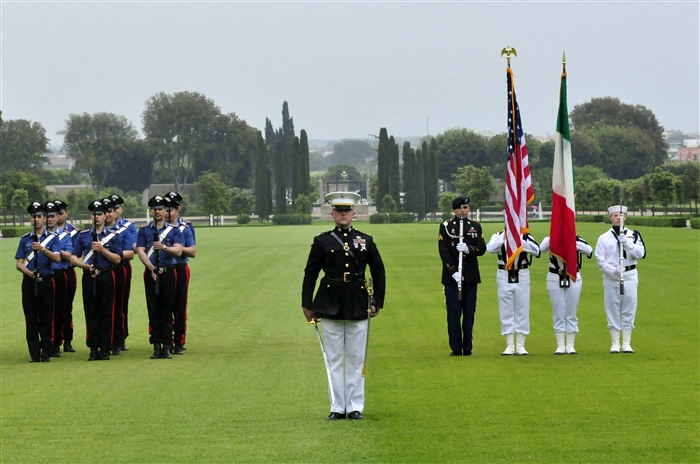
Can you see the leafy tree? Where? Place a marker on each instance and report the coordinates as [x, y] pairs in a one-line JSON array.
[[263, 188], [497, 152], [133, 169], [19, 201], [132, 207], [14, 180], [629, 151], [302, 204], [23, 146], [214, 196], [542, 184], [62, 177], [460, 147], [352, 152], [603, 193], [446, 200], [96, 141], [79, 199], [690, 185], [477, 183], [585, 149], [546, 154], [241, 201], [318, 162], [280, 185], [661, 185], [388, 204], [637, 191], [180, 127], [610, 111], [588, 173]]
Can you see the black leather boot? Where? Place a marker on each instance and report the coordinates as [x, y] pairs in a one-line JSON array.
[[156, 351], [165, 352], [94, 354]]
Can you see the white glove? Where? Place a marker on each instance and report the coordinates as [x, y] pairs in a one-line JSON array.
[[463, 248], [455, 276], [622, 238]]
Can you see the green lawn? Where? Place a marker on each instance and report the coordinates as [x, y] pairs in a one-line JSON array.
[[251, 386]]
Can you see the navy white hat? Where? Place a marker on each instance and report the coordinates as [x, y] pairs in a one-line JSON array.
[[459, 201], [617, 209], [36, 209], [156, 202], [343, 201], [97, 207]]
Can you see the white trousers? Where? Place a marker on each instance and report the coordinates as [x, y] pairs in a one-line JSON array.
[[564, 303], [514, 302], [621, 309], [345, 348]]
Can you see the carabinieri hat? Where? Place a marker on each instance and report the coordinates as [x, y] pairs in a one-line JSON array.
[[156, 202], [116, 199], [174, 197], [343, 201], [109, 204], [60, 205], [97, 207], [51, 208], [36, 209]]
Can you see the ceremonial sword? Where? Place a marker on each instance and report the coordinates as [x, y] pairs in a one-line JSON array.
[[325, 360], [370, 292]]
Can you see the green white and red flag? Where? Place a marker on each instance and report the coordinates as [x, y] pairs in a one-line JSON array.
[[562, 232]]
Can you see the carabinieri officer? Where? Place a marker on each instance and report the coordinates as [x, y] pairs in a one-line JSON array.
[[158, 243], [36, 253]]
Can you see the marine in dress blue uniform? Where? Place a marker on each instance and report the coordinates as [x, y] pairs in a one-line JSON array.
[[101, 253], [342, 300], [182, 269], [60, 272], [36, 253], [471, 246], [70, 279], [157, 244]]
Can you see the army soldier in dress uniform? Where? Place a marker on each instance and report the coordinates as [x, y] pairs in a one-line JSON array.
[[460, 236], [182, 269], [101, 253], [127, 229], [343, 254], [157, 244], [70, 278], [514, 291], [36, 253], [60, 272], [564, 294], [620, 309]]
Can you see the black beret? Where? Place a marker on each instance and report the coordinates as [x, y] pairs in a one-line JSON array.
[[156, 202], [459, 201], [36, 209]]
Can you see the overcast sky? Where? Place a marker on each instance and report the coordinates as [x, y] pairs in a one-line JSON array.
[[348, 68]]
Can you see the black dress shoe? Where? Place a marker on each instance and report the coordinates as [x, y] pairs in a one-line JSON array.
[[116, 351], [34, 359], [178, 349], [124, 347], [355, 415], [468, 353], [68, 348], [156, 351], [165, 352], [55, 352], [45, 357], [455, 353], [336, 416], [184, 348], [94, 355], [104, 354]]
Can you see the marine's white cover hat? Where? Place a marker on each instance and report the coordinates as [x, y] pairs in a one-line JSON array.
[[343, 200]]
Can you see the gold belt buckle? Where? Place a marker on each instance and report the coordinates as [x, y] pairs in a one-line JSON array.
[[346, 277]]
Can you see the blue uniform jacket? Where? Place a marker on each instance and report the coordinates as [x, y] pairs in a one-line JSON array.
[[24, 251], [83, 247], [169, 235]]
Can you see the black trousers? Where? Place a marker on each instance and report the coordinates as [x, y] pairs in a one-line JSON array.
[[71, 288], [460, 337], [182, 275], [119, 279], [99, 309], [160, 306], [38, 314], [127, 295], [60, 279]]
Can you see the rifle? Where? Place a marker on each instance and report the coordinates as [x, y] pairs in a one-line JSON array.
[[156, 238], [622, 255], [94, 256], [36, 267], [461, 240]]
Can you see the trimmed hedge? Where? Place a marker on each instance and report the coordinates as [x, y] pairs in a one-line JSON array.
[[291, 219], [243, 218], [590, 219], [9, 232], [394, 218], [695, 223]]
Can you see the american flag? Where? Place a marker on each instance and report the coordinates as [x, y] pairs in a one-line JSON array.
[[519, 191]]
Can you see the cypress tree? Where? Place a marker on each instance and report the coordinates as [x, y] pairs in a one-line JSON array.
[[382, 167], [287, 133], [432, 186], [296, 170], [263, 195], [408, 176], [394, 182], [420, 182], [305, 170], [280, 185]]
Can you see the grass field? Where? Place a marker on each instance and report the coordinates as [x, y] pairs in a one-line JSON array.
[[251, 386]]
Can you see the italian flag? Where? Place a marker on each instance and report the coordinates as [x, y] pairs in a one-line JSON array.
[[562, 232]]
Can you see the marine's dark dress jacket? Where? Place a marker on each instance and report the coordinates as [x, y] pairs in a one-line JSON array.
[[341, 293], [447, 244]]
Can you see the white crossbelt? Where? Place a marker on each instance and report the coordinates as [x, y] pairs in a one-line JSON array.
[[31, 255], [103, 241], [161, 237]]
